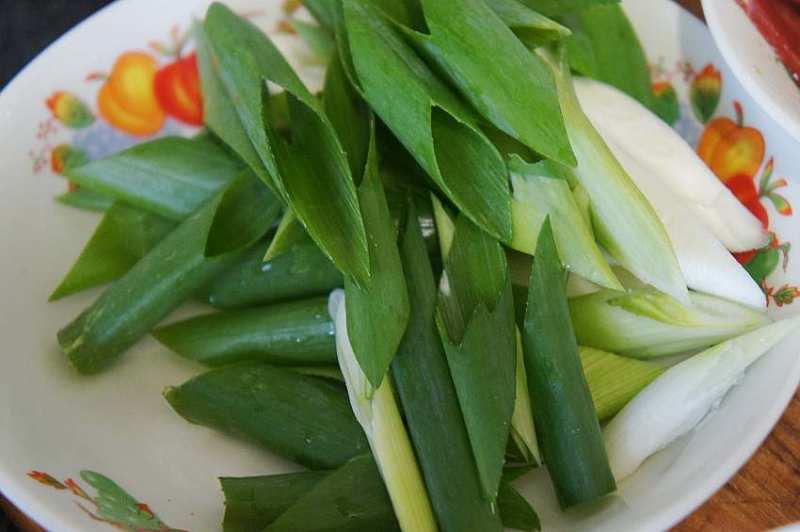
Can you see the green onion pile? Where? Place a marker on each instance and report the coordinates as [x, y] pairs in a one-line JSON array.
[[433, 276]]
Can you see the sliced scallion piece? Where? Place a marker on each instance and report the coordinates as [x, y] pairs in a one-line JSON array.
[[429, 400], [645, 323], [251, 503], [625, 224], [475, 318], [379, 416], [434, 125], [523, 431], [299, 272], [173, 270], [378, 308], [541, 190], [83, 198], [351, 498], [309, 170], [566, 422], [294, 333], [170, 177], [124, 236], [682, 396], [304, 419], [614, 380], [530, 27]]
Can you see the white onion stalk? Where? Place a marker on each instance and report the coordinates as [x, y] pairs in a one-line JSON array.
[[663, 152], [377, 412], [705, 263], [681, 397], [624, 222]]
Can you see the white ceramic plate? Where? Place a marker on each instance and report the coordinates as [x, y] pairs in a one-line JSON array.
[[57, 423], [754, 63]]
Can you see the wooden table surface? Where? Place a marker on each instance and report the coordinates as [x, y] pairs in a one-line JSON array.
[[764, 494]]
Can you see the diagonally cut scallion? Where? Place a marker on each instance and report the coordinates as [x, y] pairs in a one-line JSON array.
[[566, 421], [645, 323], [475, 318], [624, 222], [428, 397], [681, 397], [377, 412], [614, 380], [539, 191]]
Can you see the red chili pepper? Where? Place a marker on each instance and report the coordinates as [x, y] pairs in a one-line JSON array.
[[779, 23]]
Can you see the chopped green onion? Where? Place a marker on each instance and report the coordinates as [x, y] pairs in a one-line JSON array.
[[429, 401], [83, 198], [296, 333], [304, 419], [475, 318], [289, 233], [122, 238], [626, 122], [614, 380], [645, 323], [377, 412], [301, 271], [176, 268], [170, 177], [541, 191], [251, 503], [530, 27], [625, 224], [566, 421], [351, 498], [681, 397]]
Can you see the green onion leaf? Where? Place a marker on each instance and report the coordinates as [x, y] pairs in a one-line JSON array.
[[318, 39], [88, 200], [429, 120], [530, 27], [349, 115], [352, 497], [167, 276], [290, 232], [378, 309], [252, 503], [625, 224], [515, 510], [523, 431], [302, 271], [348, 499], [618, 57], [552, 8], [566, 421], [310, 169], [301, 418], [296, 333], [170, 177], [475, 319], [123, 236], [512, 88], [430, 403]]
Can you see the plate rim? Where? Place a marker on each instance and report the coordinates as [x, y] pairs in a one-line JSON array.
[[726, 45]]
